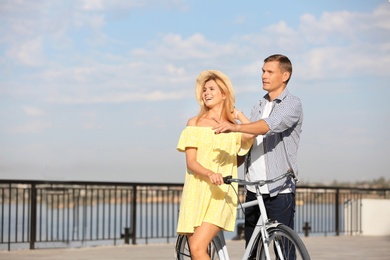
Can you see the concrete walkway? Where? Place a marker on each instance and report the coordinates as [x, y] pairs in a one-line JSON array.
[[345, 247]]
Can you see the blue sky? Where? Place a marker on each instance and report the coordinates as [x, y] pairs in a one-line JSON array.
[[101, 90]]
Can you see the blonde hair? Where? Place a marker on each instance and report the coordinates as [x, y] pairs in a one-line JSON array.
[[228, 104]]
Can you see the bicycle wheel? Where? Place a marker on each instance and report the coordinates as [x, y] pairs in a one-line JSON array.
[[284, 243], [183, 249]]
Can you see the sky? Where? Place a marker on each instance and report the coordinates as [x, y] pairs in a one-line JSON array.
[[94, 90]]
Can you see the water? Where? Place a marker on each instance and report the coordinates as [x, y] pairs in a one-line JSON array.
[[101, 224]]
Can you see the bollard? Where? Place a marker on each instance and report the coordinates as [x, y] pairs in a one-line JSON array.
[[127, 235], [240, 232], [306, 228]]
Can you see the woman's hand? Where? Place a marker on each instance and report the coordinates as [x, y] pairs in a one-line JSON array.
[[216, 178]]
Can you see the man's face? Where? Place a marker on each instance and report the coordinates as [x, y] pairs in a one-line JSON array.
[[273, 78]]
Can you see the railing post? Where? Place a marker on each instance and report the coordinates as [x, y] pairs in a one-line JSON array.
[[240, 232], [9, 213], [126, 235], [33, 218], [134, 217], [337, 212], [306, 228]]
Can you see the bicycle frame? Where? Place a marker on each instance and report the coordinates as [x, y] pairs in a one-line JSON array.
[[261, 227], [264, 229]]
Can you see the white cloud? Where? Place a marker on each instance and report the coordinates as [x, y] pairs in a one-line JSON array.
[[92, 5], [29, 53], [341, 58], [343, 44], [320, 44], [176, 48], [33, 111], [34, 127], [241, 19], [90, 120], [123, 6], [173, 70], [380, 17], [123, 97], [84, 61], [30, 24], [280, 28]]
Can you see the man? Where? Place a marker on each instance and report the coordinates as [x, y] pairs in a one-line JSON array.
[[276, 121]]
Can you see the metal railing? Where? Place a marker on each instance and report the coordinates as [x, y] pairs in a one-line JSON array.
[[44, 214]]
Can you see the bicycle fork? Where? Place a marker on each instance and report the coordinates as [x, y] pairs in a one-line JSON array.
[[266, 242], [262, 230], [264, 233], [263, 220], [265, 238]]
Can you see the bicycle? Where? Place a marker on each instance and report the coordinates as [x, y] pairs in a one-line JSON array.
[[270, 239]]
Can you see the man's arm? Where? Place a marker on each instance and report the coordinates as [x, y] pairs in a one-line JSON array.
[[256, 128], [283, 116]]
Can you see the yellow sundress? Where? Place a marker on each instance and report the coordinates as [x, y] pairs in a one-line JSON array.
[[201, 200]]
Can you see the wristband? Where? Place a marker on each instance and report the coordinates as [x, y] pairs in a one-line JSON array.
[[237, 113]]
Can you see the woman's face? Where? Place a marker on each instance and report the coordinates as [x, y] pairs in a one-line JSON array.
[[212, 94]]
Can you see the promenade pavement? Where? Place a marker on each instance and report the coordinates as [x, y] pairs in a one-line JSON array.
[[344, 247]]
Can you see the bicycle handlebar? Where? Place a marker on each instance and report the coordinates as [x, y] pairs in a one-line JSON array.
[[229, 180]]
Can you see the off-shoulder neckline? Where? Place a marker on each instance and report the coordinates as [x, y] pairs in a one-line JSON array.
[[194, 126]]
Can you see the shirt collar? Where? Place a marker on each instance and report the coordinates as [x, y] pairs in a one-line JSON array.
[[280, 97]]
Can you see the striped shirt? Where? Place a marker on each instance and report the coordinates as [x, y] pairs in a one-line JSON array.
[[281, 142]]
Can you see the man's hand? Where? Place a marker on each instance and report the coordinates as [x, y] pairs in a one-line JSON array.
[[225, 127]]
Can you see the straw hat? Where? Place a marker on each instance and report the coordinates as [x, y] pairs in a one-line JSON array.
[[203, 76]]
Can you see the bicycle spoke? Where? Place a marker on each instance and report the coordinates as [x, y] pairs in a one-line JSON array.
[[284, 244], [183, 250]]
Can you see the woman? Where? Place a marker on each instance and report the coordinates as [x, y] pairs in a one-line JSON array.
[[208, 206]]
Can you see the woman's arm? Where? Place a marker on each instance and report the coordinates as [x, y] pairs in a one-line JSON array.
[[197, 168], [239, 115], [244, 137]]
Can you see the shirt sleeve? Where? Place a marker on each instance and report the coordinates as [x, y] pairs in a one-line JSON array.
[[284, 115], [188, 138]]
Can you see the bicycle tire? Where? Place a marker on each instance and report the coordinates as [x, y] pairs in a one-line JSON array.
[[292, 246], [183, 249]]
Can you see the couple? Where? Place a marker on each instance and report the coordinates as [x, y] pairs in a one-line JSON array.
[[215, 145]]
